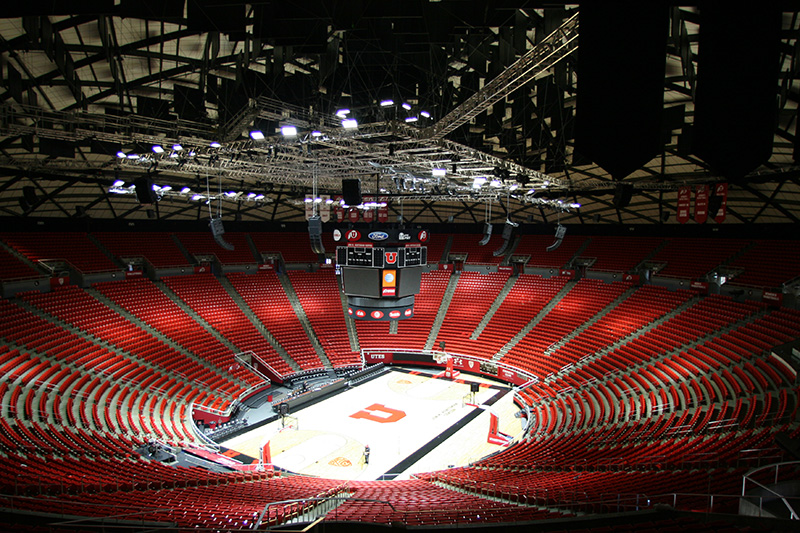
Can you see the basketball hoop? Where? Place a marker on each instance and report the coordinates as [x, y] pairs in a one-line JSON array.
[[441, 357]]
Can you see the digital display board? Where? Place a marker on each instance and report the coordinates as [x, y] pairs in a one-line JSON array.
[[364, 282]]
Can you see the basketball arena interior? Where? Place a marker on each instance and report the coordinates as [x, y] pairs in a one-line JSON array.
[[233, 235]]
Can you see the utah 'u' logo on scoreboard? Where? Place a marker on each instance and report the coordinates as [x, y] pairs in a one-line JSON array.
[[390, 257]]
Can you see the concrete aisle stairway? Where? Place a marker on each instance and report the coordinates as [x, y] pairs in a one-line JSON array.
[[495, 306], [535, 320], [580, 329], [352, 333], [303, 318], [260, 327], [208, 327], [158, 334], [446, 299]]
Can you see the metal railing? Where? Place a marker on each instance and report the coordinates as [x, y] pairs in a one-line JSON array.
[[748, 478]]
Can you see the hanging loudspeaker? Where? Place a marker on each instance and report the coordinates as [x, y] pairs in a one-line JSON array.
[[218, 231], [315, 234], [144, 190], [623, 195], [30, 194], [351, 191], [487, 234]]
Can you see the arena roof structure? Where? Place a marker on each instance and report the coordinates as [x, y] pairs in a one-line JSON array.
[[456, 107]]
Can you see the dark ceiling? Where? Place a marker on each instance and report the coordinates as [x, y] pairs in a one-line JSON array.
[[528, 109]]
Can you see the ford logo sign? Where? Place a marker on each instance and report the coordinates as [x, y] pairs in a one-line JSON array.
[[378, 236]]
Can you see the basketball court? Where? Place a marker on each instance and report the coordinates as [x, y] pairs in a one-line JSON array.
[[411, 421]]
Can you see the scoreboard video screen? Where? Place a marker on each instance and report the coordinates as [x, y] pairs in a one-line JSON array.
[[381, 271]]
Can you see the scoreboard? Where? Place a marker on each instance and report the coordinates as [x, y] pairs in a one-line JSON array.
[[374, 257], [381, 271]]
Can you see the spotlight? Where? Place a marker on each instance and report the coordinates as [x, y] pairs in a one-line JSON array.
[[387, 103], [157, 149], [316, 133], [132, 156], [412, 119], [406, 106], [215, 144], [342, 113], [439, 172], [349, 123], [256, 135], [289, 131], [186, 190], [121, 154], [177, 147], [118, 183], [425, 114], [478, 182]]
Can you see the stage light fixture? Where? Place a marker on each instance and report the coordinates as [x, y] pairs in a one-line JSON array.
[[177, 147], [256, 135], [342, 113], [118, 183], [349, 123], [289, 131], [406, 106], [439, 172], [157, 148], [215, 144], [387, 103]]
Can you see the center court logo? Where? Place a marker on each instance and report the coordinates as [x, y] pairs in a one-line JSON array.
[[379, 413]]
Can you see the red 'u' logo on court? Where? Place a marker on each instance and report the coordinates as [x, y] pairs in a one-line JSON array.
[[379, 413]]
